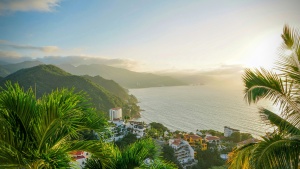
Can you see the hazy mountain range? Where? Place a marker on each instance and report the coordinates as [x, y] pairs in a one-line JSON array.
[[124, 77]]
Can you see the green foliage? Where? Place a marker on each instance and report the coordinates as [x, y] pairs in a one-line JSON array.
[[126, 140], [168, 154], [37, 133], [158, 126], [281, 149], [46, 78], [132, 156], [207, 159], [212, 132]]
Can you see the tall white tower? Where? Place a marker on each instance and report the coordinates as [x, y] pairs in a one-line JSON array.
[[115, 113]]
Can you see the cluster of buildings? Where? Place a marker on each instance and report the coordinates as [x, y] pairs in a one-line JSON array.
[[118, 129], [184, 145]]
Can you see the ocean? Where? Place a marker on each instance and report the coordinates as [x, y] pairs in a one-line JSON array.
[[188, 108]]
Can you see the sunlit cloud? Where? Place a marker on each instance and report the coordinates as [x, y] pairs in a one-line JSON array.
[[79, 60], [8, 6]]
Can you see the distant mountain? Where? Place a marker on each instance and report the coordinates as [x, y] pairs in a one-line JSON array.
[[124, 77], [109, 85], [48, 77], [7, 69]]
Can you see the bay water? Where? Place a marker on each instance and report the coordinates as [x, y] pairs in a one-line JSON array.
[[188, 108]]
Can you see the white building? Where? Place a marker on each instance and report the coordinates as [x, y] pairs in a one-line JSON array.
[[183, 152], [115, 113], [79, 158], [228, 131], [138, 128]]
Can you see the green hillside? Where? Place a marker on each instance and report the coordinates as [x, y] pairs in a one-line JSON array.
[[48, 77], [109, 85], [11, 68], [125, 78]]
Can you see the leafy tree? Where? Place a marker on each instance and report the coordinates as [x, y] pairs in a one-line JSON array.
[[37, 133], [126, 140], [158, 126], [168, 154], [207, 159], [281, 149], [132, 156], [235, 137]]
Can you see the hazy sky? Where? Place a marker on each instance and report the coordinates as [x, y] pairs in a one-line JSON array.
[[147, 35]]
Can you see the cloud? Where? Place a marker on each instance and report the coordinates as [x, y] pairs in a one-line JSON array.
[[46, 49], [12, 57], [79, 60], [7, 6]]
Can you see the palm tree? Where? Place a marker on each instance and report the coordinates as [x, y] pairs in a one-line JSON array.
[[281, 149], [39, 133], [133, 156]]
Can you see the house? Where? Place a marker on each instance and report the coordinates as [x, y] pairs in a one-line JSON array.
[[79, 158], [212, 139], [183, 152], [115, 113], [137, 128], [195, 140], [228, 131]]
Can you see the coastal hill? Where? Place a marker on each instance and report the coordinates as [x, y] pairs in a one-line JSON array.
[[7, 69], [48, 77], [124, 77]]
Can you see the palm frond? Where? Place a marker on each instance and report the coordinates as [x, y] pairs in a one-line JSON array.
[[265, 84], [283, 125]]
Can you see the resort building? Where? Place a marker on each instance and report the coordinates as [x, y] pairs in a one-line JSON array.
[[212, 139], [183, 152], [228, 131], [115, 114], [137, 128], [195, 141]]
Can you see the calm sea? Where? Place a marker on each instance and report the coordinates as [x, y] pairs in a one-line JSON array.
[[188, 108]]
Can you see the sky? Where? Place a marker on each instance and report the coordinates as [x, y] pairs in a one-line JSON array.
[[149, 35]]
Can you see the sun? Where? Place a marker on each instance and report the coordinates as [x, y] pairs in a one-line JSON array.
[[263, 51]]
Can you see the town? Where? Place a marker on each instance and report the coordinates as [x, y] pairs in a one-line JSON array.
[[185, 145]]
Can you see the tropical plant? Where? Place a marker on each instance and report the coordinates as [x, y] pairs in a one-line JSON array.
[[39, 133], [133, 156], [281, 149]]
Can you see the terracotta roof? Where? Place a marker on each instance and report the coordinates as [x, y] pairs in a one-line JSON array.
[[212, 138], [79, 157], [176, 142], [76, 153], [194, 137]]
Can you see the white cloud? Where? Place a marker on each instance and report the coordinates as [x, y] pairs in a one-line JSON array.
[[27, 5], [46, 49]]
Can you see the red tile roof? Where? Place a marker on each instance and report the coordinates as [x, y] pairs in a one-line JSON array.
[[194, 137], [76, 153], [212, 138], [177, 142], [79, 157]]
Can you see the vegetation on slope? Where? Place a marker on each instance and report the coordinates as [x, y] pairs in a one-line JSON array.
[[46, 78]]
